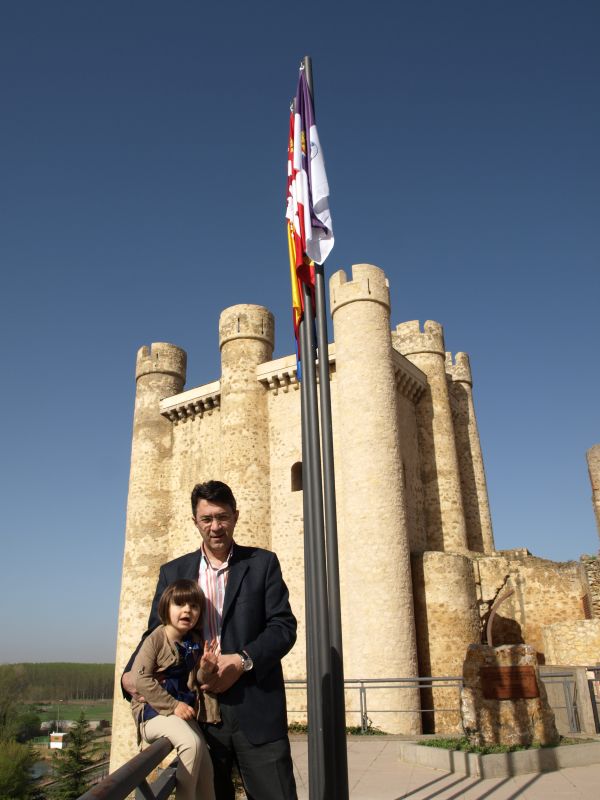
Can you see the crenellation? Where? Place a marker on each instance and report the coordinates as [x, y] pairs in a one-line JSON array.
[[368, 283], [459, 368], [162, 358], [409, 338], [247, 322]]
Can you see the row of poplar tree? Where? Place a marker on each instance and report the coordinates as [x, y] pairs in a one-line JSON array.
[[39, 682]]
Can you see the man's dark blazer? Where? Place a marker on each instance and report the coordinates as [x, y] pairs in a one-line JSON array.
[[257, 618]]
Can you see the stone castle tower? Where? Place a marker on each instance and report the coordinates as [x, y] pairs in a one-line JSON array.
[[418, 567]]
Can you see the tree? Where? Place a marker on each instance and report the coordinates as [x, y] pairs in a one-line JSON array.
[[26, 726], [70, 763], [15, 762], [11, 686]]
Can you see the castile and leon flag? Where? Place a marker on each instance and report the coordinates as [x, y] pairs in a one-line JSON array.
[[310, 234]]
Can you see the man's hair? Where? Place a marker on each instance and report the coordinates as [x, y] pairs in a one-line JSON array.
[[214, 492], [181, 592]]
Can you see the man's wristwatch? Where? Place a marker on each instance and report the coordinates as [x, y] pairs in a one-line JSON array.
[[247, 662]]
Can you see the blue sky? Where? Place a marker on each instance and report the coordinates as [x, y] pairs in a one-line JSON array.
[[142, 191]]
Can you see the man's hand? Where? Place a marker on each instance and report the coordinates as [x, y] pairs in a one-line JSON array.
[[229, 671], [183, 711], [128, 683]]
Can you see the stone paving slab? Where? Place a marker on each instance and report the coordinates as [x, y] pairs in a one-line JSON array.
[[376, 773]]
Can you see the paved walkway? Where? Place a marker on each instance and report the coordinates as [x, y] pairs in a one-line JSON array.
[[375, 773]]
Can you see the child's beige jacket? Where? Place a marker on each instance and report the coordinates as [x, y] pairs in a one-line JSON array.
[[156, 654]]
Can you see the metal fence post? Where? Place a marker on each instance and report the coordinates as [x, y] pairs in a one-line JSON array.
[[364, 719]]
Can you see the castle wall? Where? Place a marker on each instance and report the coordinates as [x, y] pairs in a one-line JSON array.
[[575, 643], [545, 593], [411, 471], [196, 458]]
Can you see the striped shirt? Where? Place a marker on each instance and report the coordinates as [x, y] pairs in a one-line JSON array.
[[213, 582]]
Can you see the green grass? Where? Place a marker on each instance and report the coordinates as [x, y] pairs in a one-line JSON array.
[[465, 746], [93, 709]]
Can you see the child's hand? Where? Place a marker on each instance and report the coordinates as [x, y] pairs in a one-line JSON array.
[[208, 662], [183, 711]]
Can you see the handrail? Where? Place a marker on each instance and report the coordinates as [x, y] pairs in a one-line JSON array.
[[132, 775]]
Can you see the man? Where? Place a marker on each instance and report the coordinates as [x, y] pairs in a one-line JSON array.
[[248, 612]]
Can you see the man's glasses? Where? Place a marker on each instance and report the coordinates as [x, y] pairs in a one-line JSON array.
[[220, 519]]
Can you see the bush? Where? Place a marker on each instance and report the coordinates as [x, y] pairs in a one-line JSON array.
[[15, 762]]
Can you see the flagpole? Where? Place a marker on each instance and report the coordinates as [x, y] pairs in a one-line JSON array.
[[335, 650], [315, 759], [321, 727], [338, 700]]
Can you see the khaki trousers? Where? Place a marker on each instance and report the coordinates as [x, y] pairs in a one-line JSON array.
[[195, 772]]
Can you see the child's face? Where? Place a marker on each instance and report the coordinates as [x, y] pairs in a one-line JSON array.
[[183, 618]]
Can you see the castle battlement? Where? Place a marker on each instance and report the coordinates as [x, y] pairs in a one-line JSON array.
[[459, 368], [246, 321], [409, 338], [161, 357], [368, 283]]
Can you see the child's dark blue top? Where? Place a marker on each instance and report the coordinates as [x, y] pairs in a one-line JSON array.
[[176, 676]]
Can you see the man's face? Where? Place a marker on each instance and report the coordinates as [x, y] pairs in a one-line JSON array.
[[216, 523]]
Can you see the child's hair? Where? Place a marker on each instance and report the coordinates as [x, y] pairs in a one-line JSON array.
[[181, 592]]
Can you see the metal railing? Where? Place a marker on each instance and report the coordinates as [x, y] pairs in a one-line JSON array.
[[133, 776], [363, 685]]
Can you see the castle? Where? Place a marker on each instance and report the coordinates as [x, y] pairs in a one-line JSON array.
[[418, 567]]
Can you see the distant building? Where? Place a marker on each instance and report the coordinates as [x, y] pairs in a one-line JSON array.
[[58, 740], [419, 569]]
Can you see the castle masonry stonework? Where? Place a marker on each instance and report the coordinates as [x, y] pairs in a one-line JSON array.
[[418, 566]]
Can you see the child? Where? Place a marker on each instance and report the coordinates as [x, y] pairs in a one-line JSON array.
[[168, 679]]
